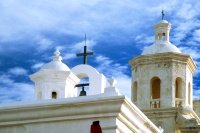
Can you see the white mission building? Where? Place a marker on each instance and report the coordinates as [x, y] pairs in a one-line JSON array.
[[161, 97]]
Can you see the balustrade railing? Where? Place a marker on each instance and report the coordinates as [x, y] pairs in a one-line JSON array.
[[155, 103]]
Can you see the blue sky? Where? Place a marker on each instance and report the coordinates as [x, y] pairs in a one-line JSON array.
[[116, 30]]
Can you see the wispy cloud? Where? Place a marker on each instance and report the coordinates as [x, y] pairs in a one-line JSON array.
[[37, 65], [194, 52], [18, 71], [43, 42], [196, 35], [12, 91], [117, 71], [77, 48]]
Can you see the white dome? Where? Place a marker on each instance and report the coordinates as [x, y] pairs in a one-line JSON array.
[[160, 47], [161, 43], [164, 21], [56, 65]]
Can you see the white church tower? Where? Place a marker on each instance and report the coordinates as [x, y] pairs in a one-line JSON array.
[[163, 75], [55, 80], [162, 80]]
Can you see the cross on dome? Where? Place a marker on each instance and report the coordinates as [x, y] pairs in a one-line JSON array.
[[163, 14], [162, 42]]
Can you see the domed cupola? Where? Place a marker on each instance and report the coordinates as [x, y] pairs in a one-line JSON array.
[[162, 42], [55, 80], [56, 63]]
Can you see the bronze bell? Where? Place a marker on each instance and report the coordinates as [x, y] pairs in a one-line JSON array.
[[83, 92]]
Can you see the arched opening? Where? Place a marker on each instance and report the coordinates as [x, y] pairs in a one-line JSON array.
[[97, 82], [85, 88], [155, 88], [179, 90], [134, 92], [163, 37], [155, 92], [54, 95], [189, 93]]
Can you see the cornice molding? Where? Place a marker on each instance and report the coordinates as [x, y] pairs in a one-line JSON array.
[[163, 58]]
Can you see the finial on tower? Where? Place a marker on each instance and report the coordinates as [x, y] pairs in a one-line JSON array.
[[163, 14], [57, 56]]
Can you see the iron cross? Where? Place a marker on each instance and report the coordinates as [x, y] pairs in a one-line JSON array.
[[85, 53], [163, 14]]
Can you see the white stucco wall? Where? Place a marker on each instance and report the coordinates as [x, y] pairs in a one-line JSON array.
[[75, 115], [97, 81], [61, 82]]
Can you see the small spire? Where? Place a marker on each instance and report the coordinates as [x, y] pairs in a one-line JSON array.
[[57, 56], [112, 82], [163, 14]]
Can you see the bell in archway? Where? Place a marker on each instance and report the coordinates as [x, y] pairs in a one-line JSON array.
[[83, 92]]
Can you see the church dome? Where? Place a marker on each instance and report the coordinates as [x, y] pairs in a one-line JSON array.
[[162, 43], [161, 47], [163, 22], [56, 63]]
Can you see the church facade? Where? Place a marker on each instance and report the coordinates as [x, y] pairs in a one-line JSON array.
[[59, 108], [161, 96]]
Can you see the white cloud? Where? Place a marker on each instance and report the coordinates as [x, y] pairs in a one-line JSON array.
[[18, 71], [192, 51], [77, 48], [5, 79], [196, 35], [117, 71], [69, 56], [43, 42], [11, 91], [144, 39], [37, 65]]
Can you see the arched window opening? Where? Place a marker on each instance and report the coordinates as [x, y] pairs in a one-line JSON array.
[[54, 95], [134, 92], [82, 90], [189, 93], [163, 37], [179, 89], [178, 92], [155, 88], [155, 92]]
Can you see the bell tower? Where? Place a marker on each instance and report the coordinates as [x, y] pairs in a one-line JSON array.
[[162, 80], [163, 75]]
